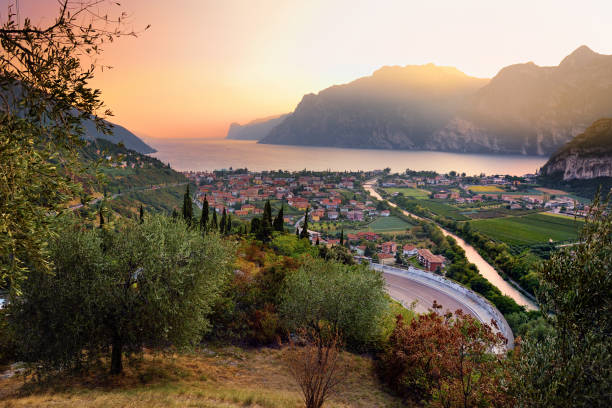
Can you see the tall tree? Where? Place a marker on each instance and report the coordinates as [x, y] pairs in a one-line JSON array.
[[228, 224], [342, 237], [187, 206], [267, 214], [573, 365], [141, 214], [214, 225], [45, 99], [279, 221], [204, 217], [101, 216], [223, 220], [304, 233]]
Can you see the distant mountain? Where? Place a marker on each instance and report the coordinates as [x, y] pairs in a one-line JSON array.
[[120, 134], [254, 130], [395, 108], [524, 109], [527, 109], [587, 156]]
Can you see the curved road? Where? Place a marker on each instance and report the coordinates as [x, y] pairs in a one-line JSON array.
[[471, 254]]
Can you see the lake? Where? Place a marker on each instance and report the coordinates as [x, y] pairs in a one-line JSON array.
[[215, 154]]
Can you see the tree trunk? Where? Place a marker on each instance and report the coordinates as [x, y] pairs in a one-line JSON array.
[[116, 357]]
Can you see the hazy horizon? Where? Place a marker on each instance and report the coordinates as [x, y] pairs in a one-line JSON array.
[[205, 64]]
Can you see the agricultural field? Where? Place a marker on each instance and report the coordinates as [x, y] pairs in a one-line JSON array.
[[529, 229], [486, 189], [440, 208], [408, 191], [384, 224]]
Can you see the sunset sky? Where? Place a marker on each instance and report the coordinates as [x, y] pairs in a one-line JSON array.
[[204, 64]]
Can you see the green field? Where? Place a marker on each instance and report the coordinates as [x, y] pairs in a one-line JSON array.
[[445, 210], [384, 224], [408, 191], [529, 229]]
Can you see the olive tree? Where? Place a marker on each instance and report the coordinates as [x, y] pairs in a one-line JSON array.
[[44, 100], [144, 284], [350, 299]]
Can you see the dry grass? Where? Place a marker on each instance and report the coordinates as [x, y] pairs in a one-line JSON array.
[[227, 377]]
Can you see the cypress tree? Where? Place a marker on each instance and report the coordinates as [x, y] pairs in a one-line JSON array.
[[304, 233], [223, 219], [187, 206], [279, 221], [204, 218], [228, 224], [317, 243], [267, 214], [174, 214], [342, 237], [141, 214], [255, 226], [101, 217], [214, 225], [297, 232]]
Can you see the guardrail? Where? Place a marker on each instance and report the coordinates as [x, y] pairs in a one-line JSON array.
[[484, 303]]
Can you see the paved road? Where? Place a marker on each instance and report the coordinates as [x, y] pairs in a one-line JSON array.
[[409, 286], [112, 197], [406, 291]]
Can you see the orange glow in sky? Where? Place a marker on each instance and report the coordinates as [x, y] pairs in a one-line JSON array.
[[206, 63]]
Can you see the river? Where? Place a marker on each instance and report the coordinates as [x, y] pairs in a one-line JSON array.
[[485, 269]]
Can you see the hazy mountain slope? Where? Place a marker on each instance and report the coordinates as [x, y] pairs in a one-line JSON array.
[[587, 156], [254, 130], [528, 109], [396, 107], [525, 109], [120, 134]]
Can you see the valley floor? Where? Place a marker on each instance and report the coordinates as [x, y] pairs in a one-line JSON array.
[[227, 377]]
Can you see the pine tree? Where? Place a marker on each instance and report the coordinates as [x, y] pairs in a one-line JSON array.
[[279, 221], [214, 225], [223, 219], [204, 217], [342, 237], [141, 214], [304, 233], [187, 207]]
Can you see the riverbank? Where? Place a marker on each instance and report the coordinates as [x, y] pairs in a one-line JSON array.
[[472, 255]]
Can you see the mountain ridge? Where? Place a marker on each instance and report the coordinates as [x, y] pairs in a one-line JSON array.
[[525, 109]]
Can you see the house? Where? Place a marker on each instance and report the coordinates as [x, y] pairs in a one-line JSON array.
[[386, 259], [359, 249], [389, 247], [409, 250], [385, 213], [430, 261], [332, 215]]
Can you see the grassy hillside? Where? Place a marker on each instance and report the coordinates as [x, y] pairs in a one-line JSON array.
[[130, 179], [221, 378]]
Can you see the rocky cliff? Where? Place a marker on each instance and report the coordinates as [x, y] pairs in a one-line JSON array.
[[524, 109], [395, 108], [254, 130], [587, 156]]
